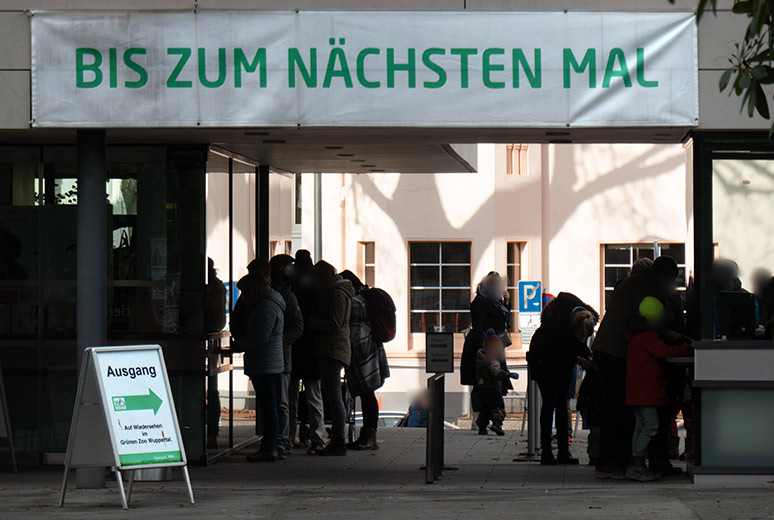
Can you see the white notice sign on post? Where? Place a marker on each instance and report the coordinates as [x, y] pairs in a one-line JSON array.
[[529, 322], [439, 351]]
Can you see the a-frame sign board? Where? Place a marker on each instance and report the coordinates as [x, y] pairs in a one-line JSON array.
[[124, 416], [6, 432]]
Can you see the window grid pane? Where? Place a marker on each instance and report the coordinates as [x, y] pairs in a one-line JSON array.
[[618, 260], [440, 287]]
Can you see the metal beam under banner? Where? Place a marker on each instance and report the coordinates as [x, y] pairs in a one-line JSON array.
[[296, 69]]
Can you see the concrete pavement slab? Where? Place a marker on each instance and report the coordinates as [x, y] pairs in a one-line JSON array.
[[388, 484]]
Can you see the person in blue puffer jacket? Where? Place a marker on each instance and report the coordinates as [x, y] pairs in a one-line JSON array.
[[264, 357]]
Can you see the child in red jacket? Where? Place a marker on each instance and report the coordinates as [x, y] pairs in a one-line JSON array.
[[645, 381]]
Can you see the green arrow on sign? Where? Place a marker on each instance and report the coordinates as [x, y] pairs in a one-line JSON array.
[[138, 402]]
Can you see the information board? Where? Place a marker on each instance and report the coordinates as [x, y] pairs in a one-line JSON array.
[[139, 406], [439, 352], [124, 415]]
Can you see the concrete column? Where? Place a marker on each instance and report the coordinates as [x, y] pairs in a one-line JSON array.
[[92, 260], [262, 211], [318, 249]]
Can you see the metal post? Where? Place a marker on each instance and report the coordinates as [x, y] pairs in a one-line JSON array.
[[261, 234], [318, 249], [533, 424], [212, 392], [91, 260], [704, 249], [231, 281], [262, 212], [231, 401], [434, 453], [440, 396]]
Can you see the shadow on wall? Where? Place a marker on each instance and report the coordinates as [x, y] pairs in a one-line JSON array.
[[625, 180], [614, 192]]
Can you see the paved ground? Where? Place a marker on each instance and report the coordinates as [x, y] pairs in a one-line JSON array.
[[389, 484]]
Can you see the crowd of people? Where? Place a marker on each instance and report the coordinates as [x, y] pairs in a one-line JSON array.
[[629, 396], [300, 325]]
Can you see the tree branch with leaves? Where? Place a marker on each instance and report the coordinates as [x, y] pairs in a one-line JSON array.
[[752, 62]]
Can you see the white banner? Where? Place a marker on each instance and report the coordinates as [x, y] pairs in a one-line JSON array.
[[393, 69]]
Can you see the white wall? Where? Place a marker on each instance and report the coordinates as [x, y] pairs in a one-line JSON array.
[[610, 194]]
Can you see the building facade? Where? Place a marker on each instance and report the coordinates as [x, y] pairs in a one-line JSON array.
[[147, 140]]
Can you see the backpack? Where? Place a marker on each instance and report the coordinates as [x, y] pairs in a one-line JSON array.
[[381, 313]]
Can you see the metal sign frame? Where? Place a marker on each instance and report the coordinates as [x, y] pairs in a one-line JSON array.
[[92, 441]]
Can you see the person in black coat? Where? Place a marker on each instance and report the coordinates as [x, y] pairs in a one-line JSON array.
[[490, 309], [559, 343], [304, 363]]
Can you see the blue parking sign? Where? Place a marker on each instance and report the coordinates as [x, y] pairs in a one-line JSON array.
[[530, 297]]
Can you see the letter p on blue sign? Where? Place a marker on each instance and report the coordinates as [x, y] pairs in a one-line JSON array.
[[530, 297]]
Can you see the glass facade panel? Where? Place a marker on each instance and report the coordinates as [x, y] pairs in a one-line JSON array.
[[736, 426], [743, 232], [155, 208]]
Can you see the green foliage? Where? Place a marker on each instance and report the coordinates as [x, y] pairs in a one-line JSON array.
[[752, 63]]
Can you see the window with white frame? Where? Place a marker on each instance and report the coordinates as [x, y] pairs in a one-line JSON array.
[[440, 286], [368, 263], [513, 273], [618, 260]]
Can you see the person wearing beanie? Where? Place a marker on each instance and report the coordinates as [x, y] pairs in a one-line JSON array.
[[490, 376], [646, 388]]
